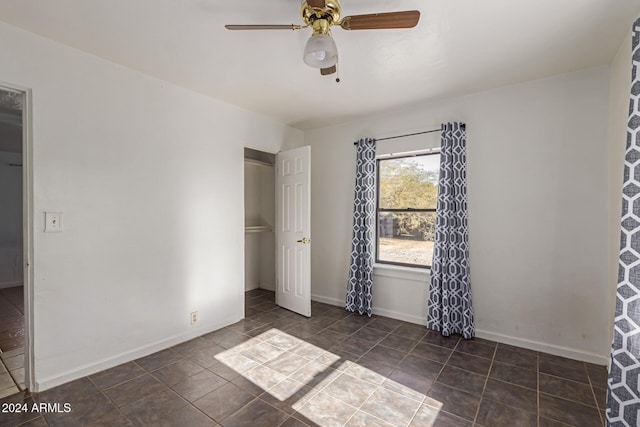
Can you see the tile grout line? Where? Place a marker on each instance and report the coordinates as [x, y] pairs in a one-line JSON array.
[[145, 372], [315, 359], [376, 343], [102, 392], [115, 406], [381, 386], [8, 372], [359, 408], [317, 392], [394, 367], [593, 393], [258, 397], [378, 386], [560, 397], [484, 387], [443, 366], [231, 382], [591, 388]]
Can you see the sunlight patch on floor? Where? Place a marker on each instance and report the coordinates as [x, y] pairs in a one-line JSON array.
[[325, 388]]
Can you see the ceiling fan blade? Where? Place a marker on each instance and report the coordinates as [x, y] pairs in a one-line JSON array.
[[263, 27], [380, 21], [327, 71], [320, 4]]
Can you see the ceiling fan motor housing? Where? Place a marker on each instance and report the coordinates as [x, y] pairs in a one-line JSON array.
[[320, 18]]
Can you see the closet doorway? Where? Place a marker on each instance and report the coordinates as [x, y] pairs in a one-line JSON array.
[[277, 230], [259, 220]]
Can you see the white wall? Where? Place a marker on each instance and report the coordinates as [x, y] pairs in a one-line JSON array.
[[537, 185], [10, 219], [251, 261], [149, 177], [619, 92]]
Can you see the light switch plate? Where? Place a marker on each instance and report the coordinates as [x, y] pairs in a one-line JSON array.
[[52, 222]]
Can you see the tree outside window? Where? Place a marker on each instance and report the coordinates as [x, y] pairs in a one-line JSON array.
[[406, 209]]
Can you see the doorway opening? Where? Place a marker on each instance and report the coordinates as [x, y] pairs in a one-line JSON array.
[[259, 226], [277, 230], [12, 242]]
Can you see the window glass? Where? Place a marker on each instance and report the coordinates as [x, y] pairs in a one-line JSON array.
[[407, 199]]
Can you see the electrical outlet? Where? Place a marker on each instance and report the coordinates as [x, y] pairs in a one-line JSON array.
[[194, 317]]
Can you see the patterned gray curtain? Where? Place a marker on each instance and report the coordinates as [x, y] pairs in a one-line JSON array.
[[364, 211], [623, 396], [449, 306]]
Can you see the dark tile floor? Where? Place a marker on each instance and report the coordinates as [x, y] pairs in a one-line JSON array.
[[11, 340], [11, 318], [12, 377], [276, 368]]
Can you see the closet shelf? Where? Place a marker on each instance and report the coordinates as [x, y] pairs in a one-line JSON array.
[[257, 229], [257, 163]]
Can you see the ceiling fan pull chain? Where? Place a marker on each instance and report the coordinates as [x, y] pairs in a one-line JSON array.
[[338, 72]]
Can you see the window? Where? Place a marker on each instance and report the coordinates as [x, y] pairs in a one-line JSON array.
[[406, 209]]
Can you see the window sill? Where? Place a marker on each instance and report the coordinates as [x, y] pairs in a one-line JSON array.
[[401, 272]]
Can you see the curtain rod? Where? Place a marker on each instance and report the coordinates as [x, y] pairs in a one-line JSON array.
[[402, 136]]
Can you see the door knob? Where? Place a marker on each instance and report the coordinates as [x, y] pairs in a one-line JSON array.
[[304, 241]]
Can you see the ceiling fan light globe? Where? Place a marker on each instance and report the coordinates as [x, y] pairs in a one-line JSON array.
[[320, 51], [319, 55]]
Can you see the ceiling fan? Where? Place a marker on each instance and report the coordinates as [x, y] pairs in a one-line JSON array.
[[321, 51]]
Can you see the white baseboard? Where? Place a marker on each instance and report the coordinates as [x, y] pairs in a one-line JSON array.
[[376, 310], [43, 384], [327, 300], [400, 316], [557, 350], [259, 285]]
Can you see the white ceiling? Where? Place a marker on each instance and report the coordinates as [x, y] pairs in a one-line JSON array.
[[459, 47]]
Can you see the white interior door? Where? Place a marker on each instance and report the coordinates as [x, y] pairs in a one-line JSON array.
[[293, 230]]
